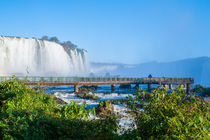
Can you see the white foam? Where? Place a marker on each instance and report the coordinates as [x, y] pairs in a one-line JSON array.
[[22, 56], [126, 121]]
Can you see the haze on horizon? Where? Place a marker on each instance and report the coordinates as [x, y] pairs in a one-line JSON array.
[[115, 31]]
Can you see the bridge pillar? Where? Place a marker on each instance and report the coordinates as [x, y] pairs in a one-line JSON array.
[[113, 88], [170, 86], [76, 88], [149, 87], [166, 86], [188, 88]]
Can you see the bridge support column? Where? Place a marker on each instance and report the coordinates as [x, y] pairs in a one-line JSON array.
[[113, 88], [188, 88], [170, 86], [149, 87], [76, 88], [166, 86]]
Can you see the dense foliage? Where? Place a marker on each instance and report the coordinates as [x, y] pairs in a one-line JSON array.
[[29, 113], [66, 44], [204, 91], [169, 116], [26, 113]]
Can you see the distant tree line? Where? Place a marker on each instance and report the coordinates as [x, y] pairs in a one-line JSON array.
[[67, 45]]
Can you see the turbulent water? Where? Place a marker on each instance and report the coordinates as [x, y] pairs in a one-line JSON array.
[[29, 56], [126, 121]]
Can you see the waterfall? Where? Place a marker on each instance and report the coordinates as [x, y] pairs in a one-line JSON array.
[[30, 56]]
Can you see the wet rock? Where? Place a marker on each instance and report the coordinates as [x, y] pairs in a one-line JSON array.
[[88, 88], [87, 96], [59, 101]]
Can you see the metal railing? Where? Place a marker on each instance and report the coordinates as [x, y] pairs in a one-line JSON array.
[[32, 79], [36, 79]]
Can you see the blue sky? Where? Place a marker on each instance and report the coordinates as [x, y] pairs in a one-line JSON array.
[[122, 31]]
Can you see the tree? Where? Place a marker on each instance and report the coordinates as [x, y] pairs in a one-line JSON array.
[[54, 39], [44, 38]]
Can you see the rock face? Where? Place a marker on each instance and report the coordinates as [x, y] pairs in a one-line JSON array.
[[105, 109]]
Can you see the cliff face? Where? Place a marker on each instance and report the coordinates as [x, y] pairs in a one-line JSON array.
[[31, 56]]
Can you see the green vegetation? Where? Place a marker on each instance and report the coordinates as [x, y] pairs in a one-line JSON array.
[[87, 96], [67, 45], [169, 116], [205, 91], [29, 113]]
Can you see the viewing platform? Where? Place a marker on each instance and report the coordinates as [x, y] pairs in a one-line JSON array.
[[76, 81]]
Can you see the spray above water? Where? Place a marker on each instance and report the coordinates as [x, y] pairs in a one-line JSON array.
[[23, 56]]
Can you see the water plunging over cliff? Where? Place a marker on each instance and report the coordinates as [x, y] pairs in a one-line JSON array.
[[29, 56]]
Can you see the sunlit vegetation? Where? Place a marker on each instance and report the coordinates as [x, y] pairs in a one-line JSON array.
[[29, 113], [169, 116]]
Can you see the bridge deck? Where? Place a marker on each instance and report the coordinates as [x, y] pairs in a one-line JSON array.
[[76, 81], [98, 80]]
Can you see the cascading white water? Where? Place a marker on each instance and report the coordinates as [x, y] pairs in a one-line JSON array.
[[29, 56]]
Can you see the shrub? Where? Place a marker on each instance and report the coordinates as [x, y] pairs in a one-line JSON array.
[[169, 116], [26, 113], [29, 113]]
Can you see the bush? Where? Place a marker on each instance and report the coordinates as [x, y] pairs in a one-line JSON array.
[[26, 113], [29, 113], [169, 116]]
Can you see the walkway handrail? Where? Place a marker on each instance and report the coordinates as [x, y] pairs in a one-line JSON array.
[[37, 79]]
